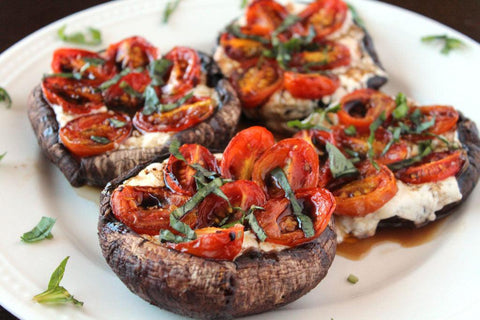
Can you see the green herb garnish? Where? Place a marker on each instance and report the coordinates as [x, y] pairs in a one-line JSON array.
[[401, 109], [243, 4], [41, 231], [425, 150], [2, 155], [356, 16], [169, 9], [129, 90], [116, 123], [99, 139], [67, 75], [92, 38], [252, 221], [395, 137], [236, 31], [94, 61], [305, 222], [350, 130], [340, 166], [373, 127], [289, 21], [107, 84], [157, 70], [56, 294], [152, 104], [352, 279], [5, 98], [297, 124], [449, 43]]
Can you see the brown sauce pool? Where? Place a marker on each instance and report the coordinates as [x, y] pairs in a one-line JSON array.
[[356, 249]]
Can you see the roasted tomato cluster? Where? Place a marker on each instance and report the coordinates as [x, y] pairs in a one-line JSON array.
[[141, 89], [268, 188], [379, 140], [277, 50]]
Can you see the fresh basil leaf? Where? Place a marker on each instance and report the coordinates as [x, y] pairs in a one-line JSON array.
[[289, 21], [350, 130], [174, 150], [396, 136], [182, 227], [424, 126], [41, 231], [5, 98], [2, 155], [169, 9], [151, 101], [129, 90], [425, 150], [449, 43], [94, 61], [157, 70], [259, 232], [101, 140], [168, 236], [92, 38], [305, 125], [340, 166], [235, 30], [116, 123], [373, 128], [243, 4], [416, 116], [67, 75], [55, 293], [401, 109], [114, 80], [305, 222]]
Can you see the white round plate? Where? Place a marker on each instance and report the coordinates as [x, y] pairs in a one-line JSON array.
[[436, 280]]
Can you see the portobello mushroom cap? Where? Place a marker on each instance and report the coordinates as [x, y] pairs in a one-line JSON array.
[[214, 132], [210, 289], [467, 178]]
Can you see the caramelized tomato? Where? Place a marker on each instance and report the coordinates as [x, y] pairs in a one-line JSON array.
[[145, 210], [95, 133], [117, 96], [327, 56], [214, 210], [214, 243], [184, 74], [368, 193], [242, 50], [134, 52], [326, 16], [310, 85], [298, 160], [179, 176], [281, 225], [243, 150], [264, 16]]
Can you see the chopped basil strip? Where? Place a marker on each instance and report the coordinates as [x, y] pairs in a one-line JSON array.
[[94, 61], [235, 30], [449, 43], [304, 221], [356, 16], [129, 90], [289, 21], [157, 70], [401, 110], [339, 165], [243, 3], [425, 150], [168, 236], [5, 98], [92, 38], [56, 294], [396, 136], [352, 279], [107, 84], [350, 130], [67, 75], [2, 155], [101, 140], [151, 101], [443, 139], [174, 150], [305, 125], [373, 127], [259, 232], [169, 9], [351, 153], [41, 231], [151, 108], [424, 126], [117, 123]]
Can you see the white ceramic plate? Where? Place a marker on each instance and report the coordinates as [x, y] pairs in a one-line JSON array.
[[437, 280]]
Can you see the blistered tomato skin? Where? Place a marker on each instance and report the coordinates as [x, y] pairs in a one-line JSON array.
[[326, 16], [329, 55], [117, 97], [310, 85], [134, 52]]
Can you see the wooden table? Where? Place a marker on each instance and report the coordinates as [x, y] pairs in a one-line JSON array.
[[19, 18]]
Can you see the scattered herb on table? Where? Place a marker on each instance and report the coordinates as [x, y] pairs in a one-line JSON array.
[[449, 43], [2, 155], [352, 278], [5, 98], [41, 231], [93, 36], [169, 9]]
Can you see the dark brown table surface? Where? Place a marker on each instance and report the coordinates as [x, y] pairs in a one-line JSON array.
[[19, 18]]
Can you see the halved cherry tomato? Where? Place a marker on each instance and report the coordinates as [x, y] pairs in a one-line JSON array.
[[435, 167], [74, 96], [242, 50], [446, 118], [184, 74], [256, 84], [310, 85], [327, 56], [370, 191], [179, 176], [134, 52], [95, 133], [265, 16], [214, 210], [281, 225], [117, 97], [213, 243], [298, 160], [326, 16], [243, 150], [361, 107], [185, 116], [66, 60], [145, 210]]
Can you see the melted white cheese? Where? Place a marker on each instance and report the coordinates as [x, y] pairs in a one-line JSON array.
[[151, 176], [416, 203], [250, 241], [64, 117], [148, 140]]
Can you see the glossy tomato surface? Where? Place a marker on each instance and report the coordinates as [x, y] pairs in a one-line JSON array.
[[134, 52], [326, 56], [310, 85], [184, 74], [264, 16], [326, 16], [118, 96], [241, 50]]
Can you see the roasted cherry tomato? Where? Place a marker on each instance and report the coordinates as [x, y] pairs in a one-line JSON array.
[[256, 84], [361, 107], [298, 160], [145, 210], [281, 225], [183, 117], [214, 210], [134, 52], [446, 118], [66, 60], [328, 55], [368, 193], [127, 93], [184, 74], [310, 85], [95, 133], [359, 143], [214, 243], [243, 150], [435, 167], [74, 96], [179, 176], [242, 50], [326, 16], [264, 16]]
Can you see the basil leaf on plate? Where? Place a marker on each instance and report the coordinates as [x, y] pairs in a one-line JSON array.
[[41, 231]]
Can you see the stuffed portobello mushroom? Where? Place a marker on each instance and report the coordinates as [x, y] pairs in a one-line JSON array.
[[392, 163], [224, 235], [98, 115], [288, 63]]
